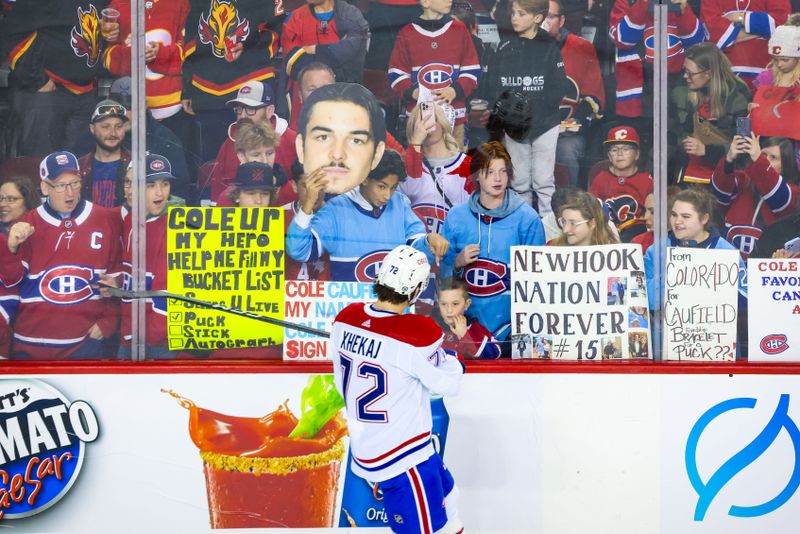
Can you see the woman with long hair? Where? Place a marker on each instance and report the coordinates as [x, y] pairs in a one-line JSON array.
[[691, 215], [18, 196], [481, 233], [583, 222], [438, 171], [757, 193], [704, 112]]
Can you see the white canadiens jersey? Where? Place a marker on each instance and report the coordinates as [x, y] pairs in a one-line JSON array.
[[386, 366]]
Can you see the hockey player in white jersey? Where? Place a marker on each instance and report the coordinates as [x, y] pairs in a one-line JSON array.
[[386, 366]]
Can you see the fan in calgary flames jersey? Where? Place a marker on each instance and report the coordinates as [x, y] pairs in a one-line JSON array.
[[164, 25], [228, 43]]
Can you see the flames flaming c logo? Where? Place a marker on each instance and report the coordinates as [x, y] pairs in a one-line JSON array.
[[222, 24], [85, 39]]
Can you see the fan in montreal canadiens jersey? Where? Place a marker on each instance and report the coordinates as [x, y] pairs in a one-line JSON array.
[[386, 366], [54, 255]]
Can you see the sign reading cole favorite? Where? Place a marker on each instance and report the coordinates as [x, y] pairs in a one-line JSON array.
[[701, 293], [315, 304], [774, 285], [231, 256], [577, 303]]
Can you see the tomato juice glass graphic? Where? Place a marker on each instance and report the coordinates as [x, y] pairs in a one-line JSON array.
[[257, 475]]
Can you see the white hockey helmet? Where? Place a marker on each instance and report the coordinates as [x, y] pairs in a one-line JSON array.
[[403, 270]]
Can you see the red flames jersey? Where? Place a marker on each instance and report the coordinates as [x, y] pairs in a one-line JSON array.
[[164, 24], [624, 198], [54, 270], [156, 278]]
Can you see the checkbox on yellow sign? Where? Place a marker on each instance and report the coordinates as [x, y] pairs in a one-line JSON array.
[[176, 317], [175, 344], [175, 330]]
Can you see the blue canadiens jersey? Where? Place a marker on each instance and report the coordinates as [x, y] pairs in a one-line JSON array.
[[488, 278], [355, 235]]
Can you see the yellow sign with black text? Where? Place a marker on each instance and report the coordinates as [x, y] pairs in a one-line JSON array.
[[230, 256]]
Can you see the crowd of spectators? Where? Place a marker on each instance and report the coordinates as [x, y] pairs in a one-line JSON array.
[[507, 122]]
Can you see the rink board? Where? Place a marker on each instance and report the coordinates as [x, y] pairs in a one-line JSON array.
[[534, 453]]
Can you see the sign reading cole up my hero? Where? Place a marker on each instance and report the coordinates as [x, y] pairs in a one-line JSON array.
[[577, 303], [701, 293], [231, 256], [315, 304], [774, 285]]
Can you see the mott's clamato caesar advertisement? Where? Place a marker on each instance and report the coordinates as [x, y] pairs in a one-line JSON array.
[[577, 303], [774, 285], [42, 442], [701, 295], [231, 256], [275, 470], [315, 304]]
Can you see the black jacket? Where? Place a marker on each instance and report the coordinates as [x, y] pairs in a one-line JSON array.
[[533, 68]]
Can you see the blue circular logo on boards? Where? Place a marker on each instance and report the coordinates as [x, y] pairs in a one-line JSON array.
[[708, 490], [42, 438]]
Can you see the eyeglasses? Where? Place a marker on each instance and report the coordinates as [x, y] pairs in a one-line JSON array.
[[563, 223], [127, 184], [621, 150], [247, 110], [9, 200], [689, 74], [60, 188]]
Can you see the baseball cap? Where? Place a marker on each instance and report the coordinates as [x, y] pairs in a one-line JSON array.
[[121, 91], [254, 94], [58, 163], [622, 134], [785, 41], [257, 175], [108, 108], [158, 168]]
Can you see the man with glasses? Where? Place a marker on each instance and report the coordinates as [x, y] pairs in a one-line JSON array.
[[103, 170], [623, 187], [53, 256], [586, 98], [255, 102]]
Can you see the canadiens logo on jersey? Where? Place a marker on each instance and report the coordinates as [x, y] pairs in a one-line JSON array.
[[487, 278], [432, 216], [366, 269], [222, 28], [674, 43], [66, 284], [85, 39], [435, 76], [744, 238]]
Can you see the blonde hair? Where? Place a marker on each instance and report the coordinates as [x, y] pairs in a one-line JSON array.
[[788, 79], [590, 209], [441, 120], [722, 82], [250, 136]]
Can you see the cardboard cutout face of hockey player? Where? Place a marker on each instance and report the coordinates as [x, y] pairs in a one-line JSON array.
[[342, 131]]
